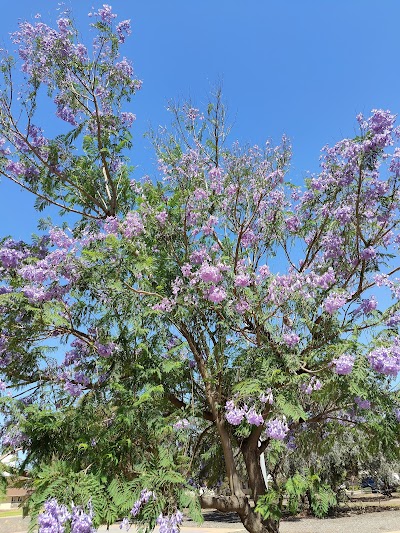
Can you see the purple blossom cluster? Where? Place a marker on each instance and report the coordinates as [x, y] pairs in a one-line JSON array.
[[145, 496], [312, 385], [14, 438], [165, 305], [334, 302], [277, 428], [393, 320], [267, 397], [208, 276], [170, 524], [291, 339], [344, 364], [362, 404], [305, 284], [82, 522], [12, 253], [181, 424], [368, 305], [123, 29], [104, 14], [104, 350], [56, 518], [132, 226], [235, 415], [74, 389], [386, 360]]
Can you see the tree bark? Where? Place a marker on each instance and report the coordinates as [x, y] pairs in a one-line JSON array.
[[251, 455], [251, 520]]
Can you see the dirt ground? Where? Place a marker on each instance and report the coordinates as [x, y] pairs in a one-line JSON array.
[[371, 516]]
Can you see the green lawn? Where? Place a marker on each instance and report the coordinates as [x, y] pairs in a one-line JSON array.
[[12, 512]]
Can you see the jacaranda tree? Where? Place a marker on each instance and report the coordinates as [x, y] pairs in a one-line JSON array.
[[189, 329]]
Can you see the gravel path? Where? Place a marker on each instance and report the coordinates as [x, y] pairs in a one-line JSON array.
[[377, 522]]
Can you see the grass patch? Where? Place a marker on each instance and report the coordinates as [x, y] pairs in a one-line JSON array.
[[11, 512]]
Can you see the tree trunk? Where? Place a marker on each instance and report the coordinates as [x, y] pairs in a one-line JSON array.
[[251, 456], [251, 520]]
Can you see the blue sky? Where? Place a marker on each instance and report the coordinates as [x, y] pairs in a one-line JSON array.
[[301, 68]]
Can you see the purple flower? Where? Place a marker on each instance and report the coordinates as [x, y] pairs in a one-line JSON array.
[[362, 404], [397, 414], [242, 306], [104, 350], [170, 524], [248, 238], [105, 14], [385, 360], [368, 253], [254, 418], [16, 168], [267, 397], [14, 438], [162, 217], [125, 524], [208, 228], [10, 258], [64, 25], [277, 429], [53, 518], [181, 424], [209, 273], [314, 384], [59, 238], [82, 522], [344, 364], [393, 320], [123, 28], [111, 225], [332, 244], [381, 121], [186, 269], [216, 295], [192, 113], [264, 271], [242, 280], [64, 112], [200, 194], [132, 226], [145, 496], [291, 339], [165, 305], [216, 179], [199, 256], [334, 302], [74, 389], [124, 68], [344, 214], [127, 118], [233, 414], [292, 224], [368, 305], [34, 294]]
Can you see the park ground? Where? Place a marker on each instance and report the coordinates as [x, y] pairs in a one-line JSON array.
[[371, 514]]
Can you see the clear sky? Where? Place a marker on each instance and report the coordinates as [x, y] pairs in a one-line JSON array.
[[304, 68]]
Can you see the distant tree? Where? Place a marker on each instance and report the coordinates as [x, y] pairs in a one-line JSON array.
[[205, 318]]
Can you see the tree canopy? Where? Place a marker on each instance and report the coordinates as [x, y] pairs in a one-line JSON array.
[[183, 331]]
